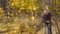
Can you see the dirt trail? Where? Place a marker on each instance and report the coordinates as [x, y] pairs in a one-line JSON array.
[[42, 31]]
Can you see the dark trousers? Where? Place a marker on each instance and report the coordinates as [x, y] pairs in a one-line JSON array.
[[48, 28]]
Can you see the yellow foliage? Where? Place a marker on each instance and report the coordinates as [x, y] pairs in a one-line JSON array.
[[29, 29], [22, 5], [35, 8], [17, 3], [19, 11], [30, 7], [32, 18], [16, 19], [13, 4], [11, 14], [22, 2], [1, 10], [22, 8], [57, 2]]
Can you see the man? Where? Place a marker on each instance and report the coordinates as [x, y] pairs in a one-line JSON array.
[[46, 17], [47, 21]]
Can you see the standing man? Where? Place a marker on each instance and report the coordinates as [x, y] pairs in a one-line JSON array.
[[47, 20]]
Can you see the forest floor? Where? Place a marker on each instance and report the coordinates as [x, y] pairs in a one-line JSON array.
[[14, 28]]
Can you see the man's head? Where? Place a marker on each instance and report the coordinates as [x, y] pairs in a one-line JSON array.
[[46, 10]]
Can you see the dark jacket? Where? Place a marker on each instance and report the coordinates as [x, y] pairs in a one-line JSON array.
[[46, 17]]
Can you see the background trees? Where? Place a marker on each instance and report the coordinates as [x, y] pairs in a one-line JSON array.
[[27, 11]]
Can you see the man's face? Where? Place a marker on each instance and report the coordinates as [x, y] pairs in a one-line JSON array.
[[45, 11]]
